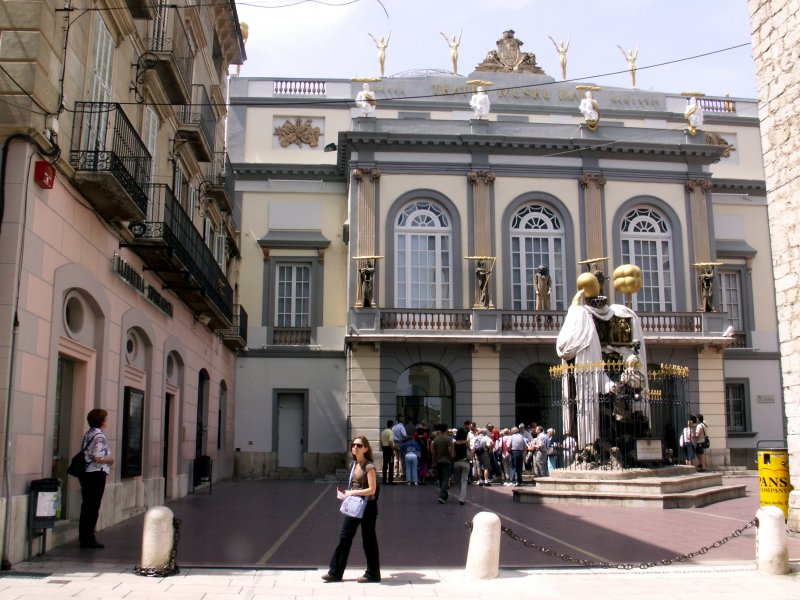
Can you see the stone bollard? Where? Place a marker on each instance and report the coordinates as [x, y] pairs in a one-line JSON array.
[[158, 539], [483, 555], [772, 543]]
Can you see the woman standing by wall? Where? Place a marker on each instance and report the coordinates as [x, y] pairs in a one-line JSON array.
[[93, 482], [364, 482]]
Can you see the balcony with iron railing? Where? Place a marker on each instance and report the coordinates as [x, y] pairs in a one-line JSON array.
[[170, 55], [112, 164], [197, 124], [219, 183], [235, 336], [171, 246]]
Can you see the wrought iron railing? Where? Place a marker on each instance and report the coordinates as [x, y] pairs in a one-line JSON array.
[[220, 177], [291, 336], [168, 35], [616, 418], [238, 326], [104, 140], [426, 320], [168, 220], [200, 113], [739, 340]]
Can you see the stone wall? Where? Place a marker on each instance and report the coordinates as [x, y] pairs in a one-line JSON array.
[[775, 26]]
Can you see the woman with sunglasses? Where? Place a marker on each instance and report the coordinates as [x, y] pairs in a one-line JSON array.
[[364, 483]]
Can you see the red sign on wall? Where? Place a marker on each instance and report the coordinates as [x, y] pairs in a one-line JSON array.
[[44, 174]]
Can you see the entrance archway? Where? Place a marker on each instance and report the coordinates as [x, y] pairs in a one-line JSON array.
[[532, 395], [425, 392]]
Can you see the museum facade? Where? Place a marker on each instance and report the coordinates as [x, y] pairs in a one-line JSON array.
[[389, 260]]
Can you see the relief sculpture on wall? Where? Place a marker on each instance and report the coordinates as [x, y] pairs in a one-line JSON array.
[[300, 132]]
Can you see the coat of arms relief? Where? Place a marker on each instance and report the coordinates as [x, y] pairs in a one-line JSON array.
[[508, 58]]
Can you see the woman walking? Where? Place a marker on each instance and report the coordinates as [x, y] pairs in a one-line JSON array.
[[364, 482], [93, 481]]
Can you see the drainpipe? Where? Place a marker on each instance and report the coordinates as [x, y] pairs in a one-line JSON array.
[[5, 564]]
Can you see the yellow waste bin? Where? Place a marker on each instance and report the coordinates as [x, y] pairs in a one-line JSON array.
[[773, 477]]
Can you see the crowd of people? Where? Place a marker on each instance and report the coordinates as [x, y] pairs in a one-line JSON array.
[[483, 456]]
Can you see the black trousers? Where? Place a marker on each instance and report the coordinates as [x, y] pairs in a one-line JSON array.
[[368, 537], [443, 477], [388, 465], [92, 487]]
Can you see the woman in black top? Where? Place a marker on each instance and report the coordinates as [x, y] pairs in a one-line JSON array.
[[364, 483]]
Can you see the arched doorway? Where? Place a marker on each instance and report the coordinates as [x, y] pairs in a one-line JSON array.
[[533, 396], [425, 392]]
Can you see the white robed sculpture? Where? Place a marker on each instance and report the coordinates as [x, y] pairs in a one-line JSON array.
[[578, 340]]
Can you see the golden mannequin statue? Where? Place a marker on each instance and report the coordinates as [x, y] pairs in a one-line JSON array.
[[381, 44], [631, 56], [562, 55], [454, 43]]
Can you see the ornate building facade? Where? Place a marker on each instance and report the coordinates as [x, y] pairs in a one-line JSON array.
[[398, 269], [118, 251]]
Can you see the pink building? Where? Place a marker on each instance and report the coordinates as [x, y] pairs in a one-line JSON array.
[[118, 254]]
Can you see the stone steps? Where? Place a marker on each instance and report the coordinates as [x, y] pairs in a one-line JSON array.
[[680, 491]]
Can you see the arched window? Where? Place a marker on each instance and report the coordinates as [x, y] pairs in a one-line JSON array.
[[646, 240], [423, 235], [537, 238]]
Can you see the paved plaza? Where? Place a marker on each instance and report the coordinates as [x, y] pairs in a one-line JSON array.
[[252, 539]]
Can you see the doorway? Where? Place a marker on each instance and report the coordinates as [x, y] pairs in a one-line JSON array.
[[291, 428]]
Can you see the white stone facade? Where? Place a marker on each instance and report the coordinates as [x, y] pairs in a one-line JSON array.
[[775, 27]]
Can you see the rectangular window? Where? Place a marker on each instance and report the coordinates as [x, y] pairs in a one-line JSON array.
[[731, 297], [293, 296], [219, 246], [101, 63], [132, 428], [736, 401]]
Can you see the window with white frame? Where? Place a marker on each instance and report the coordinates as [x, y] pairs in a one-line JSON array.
[[219, 246], [647, 243], [150, 125], [730, 284], [101, 63], [293, 295], [736, 394], [423, 268], [537, 238]]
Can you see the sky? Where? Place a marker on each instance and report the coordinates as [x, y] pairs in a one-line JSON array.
[[330, 39]]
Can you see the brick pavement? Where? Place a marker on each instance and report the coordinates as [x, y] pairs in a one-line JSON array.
[[289, 529]]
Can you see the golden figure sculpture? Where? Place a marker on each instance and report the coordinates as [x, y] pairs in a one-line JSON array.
[[381, 44], [245, 29], [562, 55], [454, 43], [631, 56]]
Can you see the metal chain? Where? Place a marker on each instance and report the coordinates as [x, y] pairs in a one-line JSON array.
[[171, 568], [624, 566]]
